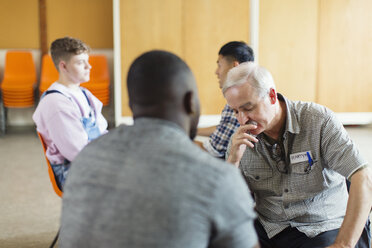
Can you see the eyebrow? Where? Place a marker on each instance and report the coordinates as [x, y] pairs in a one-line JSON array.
[[248, 104], [245, 105]]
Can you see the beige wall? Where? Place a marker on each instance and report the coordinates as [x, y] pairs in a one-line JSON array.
[[19, 24], [89, 20], [345, 55], [288, 45], [193, 29], [207, 26], [147, 25], [319, 50]]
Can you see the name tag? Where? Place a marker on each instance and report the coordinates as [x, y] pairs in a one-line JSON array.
[[299, 157]]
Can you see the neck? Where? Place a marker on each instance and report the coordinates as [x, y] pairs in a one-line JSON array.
[[68, 83], [279, 120], [168, 115]]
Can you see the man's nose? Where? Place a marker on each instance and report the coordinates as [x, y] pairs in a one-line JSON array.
[[87, 65], [242, 118]]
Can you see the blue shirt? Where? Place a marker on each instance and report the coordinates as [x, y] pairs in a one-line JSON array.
[[217, 143]]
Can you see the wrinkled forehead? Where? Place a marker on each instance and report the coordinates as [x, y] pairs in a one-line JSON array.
[[241, 94]]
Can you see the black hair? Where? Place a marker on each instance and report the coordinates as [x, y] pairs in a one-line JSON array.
[[156, 77], [237, 50]]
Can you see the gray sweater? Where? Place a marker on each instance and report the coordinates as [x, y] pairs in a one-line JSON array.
[[148, 185]]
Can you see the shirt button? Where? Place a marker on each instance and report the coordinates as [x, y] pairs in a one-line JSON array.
[[257, 177], [286, 190], [286, 206]]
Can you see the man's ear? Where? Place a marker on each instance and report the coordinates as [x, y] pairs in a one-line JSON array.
[[62, 65], [236, 63], [272, 95], [188, 102]]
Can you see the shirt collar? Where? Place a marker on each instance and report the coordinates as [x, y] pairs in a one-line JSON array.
[[158, 122], [292, 124], [61, 88]]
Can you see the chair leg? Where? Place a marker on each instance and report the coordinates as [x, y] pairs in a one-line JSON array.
[[55, 240], [3, 117]]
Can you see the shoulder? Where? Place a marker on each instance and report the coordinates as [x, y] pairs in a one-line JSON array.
[[309, 111], [227, 109], [55, 101], [54, 104], [96, 102], [215, 167]]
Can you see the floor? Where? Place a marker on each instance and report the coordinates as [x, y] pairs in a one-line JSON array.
[[30, 209]]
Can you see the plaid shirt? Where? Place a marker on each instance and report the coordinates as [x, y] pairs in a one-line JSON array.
[[311, 196], [219, 140]]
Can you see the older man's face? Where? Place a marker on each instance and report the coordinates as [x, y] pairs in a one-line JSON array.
[[248, 105]]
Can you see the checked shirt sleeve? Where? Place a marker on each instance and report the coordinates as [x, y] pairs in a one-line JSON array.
[[219, 140]]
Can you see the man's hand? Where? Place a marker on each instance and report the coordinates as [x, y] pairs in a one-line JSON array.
[[239, 142]]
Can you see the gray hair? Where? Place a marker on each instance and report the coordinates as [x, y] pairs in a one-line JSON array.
[[258, 76]]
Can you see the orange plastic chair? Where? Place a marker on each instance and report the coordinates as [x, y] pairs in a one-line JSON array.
[[99, 83], [52, 178], [49, 73], [19, 80]]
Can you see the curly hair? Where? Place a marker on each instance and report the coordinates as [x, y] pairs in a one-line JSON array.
[[64, 48]]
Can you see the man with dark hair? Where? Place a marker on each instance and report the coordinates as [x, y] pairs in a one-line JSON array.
[[148, 185], [230, 55]]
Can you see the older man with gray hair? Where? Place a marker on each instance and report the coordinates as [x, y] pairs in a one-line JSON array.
[[295, 157]]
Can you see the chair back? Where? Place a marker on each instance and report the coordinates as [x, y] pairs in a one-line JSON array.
[[49, 73], [19, 67], [52, 178], [99, 83], [19, 80], [99, 71]]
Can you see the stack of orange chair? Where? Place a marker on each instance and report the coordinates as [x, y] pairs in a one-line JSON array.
[[19, 80], [99, 83], [49, 73]]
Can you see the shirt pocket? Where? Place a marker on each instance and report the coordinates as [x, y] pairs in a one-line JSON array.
[[303, 168], [259, 179], [311, 176]]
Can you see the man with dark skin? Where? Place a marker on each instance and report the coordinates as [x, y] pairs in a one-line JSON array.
[[149, 185]]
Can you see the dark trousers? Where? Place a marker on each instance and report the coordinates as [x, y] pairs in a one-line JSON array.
[[292, 238]]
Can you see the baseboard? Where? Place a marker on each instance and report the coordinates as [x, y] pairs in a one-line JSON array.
[[346, 118]]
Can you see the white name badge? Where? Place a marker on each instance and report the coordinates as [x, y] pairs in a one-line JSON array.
[[299, 157]]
